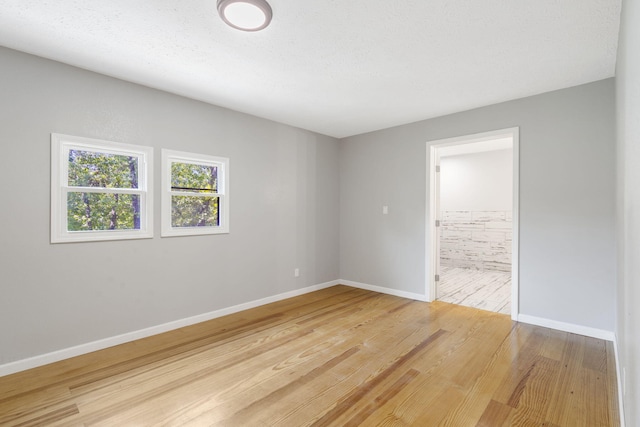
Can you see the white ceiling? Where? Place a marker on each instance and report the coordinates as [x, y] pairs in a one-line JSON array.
[[338, 67]]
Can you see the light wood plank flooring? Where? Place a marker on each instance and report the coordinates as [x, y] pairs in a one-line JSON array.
[[485, 290], [336, 357]]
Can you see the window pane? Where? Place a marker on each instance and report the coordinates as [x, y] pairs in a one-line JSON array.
[[93, 169], [100, 211], [194, 211], [194, 178]]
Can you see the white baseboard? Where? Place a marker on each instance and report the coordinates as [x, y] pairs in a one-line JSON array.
[[619, 376], [56, 356], [567, 327], [383, 290]]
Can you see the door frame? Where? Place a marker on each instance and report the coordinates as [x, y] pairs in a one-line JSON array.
[[431, 238]]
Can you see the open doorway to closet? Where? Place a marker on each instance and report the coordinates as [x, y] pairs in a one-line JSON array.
[[473, 213]]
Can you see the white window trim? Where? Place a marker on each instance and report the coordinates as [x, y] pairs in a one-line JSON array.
[[222, 163], [60, 146]]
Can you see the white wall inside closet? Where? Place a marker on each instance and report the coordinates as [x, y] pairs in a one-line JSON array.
[[476, 200], [477, 181]]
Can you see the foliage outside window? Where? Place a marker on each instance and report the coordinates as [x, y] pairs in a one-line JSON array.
[[100, 190], [195, 196]]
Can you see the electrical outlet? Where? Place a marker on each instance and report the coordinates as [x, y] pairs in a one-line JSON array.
[[385, 210], [296, 272]]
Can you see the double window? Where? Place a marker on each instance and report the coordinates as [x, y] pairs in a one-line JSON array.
[[100, 190]]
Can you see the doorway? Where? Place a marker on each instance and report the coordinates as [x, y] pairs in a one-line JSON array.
[[473, 213]]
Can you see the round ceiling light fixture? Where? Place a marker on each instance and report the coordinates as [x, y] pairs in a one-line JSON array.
[[245, 15]]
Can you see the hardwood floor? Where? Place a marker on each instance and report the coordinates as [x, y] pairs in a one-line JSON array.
[[486, 290], [336, 357]]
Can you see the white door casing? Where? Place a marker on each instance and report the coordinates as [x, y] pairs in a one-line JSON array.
[[433, 208]]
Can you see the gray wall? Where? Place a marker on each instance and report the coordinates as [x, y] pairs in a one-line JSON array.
[[284, 211], [628, 167], [567, 201]]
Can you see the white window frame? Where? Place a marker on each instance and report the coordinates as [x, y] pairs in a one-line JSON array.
[[60, 146], [222, 164]]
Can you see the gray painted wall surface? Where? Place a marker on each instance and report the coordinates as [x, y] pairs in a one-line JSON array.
[[284, 211], [628, 167], [567, 201]]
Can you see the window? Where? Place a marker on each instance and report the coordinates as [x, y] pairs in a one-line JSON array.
[[100, 190], [195, 194]]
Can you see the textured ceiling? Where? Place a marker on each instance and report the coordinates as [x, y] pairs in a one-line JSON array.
[[338, 67]]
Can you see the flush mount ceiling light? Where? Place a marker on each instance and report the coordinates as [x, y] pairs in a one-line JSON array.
[[245, 15]]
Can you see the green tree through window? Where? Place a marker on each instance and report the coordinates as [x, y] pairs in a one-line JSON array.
[[102, 211], [194, 211]]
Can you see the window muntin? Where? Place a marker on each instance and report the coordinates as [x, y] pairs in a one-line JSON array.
[[100, 190], [195, 194]]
